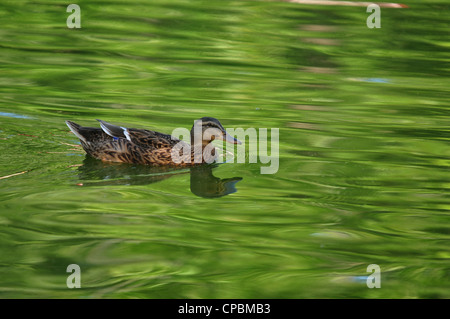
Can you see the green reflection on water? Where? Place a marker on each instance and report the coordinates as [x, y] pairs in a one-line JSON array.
[[364, 156]]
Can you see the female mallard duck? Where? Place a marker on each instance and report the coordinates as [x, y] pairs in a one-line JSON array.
[[113, 143]]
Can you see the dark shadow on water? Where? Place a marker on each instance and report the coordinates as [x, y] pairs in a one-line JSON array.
[[203, 182]]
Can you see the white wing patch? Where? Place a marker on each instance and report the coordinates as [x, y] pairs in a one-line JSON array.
[[127, 134]]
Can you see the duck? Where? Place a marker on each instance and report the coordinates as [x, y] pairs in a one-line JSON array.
[[113, 143]]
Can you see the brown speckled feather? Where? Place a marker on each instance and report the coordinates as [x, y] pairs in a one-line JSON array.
[[117, 144]]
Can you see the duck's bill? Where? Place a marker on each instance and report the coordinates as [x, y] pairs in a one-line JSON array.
[[231, 139]]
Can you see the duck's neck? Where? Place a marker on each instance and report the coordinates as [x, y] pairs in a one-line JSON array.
[[203, 152]]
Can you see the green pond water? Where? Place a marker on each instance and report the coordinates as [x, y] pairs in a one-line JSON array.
[[363, 178]]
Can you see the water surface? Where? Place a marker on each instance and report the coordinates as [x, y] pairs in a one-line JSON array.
[[364, 155]]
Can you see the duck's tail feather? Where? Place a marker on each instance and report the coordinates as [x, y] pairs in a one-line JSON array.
[[75, 128]]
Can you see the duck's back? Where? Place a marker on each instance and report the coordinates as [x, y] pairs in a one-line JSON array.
[[118, 144]]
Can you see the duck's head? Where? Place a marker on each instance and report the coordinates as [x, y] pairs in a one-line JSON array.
[[210, 129]]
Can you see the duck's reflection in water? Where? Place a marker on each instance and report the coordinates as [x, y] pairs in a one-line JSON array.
[[203, 182]]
